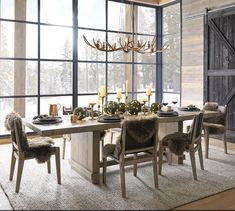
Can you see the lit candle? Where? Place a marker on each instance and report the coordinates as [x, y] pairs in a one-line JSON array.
[[148, 90], [126, 87], [144, 99], [102, 91], [98, 98], [119, 93]]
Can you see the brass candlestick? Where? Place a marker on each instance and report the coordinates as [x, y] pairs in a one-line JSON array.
[[144, 106], [98, 109], [149, 104], [126, 99], [119, 99], [102, 103], [92, 110]]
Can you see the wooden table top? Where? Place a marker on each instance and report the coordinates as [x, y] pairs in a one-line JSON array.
[[87, 125]]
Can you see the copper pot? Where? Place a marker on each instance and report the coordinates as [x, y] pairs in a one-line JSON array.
[[54, 108]]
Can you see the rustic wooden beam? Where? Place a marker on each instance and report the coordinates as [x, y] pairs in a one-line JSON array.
[[221, 36], [227, 72]]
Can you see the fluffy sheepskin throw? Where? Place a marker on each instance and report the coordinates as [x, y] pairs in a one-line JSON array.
[[220, 120], [40, 148], [177, 142], [140, 129]]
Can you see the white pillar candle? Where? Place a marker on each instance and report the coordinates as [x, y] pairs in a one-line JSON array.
[[102, 91], [148, 90], [126, 87], [119, 93]]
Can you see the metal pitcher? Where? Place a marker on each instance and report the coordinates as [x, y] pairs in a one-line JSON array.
[[54, 108]]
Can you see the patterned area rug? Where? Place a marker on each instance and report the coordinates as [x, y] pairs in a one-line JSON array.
[[176, 186]]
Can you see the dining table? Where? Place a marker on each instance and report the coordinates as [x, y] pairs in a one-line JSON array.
[[86, 136]]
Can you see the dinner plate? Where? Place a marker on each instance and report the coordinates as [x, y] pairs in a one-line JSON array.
[[48, 120], [167, 113]]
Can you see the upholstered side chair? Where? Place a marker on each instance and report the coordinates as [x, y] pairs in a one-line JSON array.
[[39, 148], [180, 142], [215, 125], [138, 137]]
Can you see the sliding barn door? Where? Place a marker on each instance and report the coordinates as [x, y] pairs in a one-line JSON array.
[[219, 62]]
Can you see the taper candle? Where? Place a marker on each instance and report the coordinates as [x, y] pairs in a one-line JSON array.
[[148, 90], [126, 87]]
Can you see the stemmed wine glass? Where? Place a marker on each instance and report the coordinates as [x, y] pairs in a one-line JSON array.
[[175, 100], [164, 102]]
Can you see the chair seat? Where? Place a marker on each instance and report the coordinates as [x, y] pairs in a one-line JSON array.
[[177, 142], [214, 128], [40, 148]]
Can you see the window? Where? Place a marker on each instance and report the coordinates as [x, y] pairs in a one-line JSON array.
[[171, 56], [40, 63]]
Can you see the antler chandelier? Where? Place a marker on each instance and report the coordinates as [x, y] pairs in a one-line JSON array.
[[129, 44], [126, 46]]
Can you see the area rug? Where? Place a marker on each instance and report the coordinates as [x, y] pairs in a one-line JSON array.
[[40, 191]]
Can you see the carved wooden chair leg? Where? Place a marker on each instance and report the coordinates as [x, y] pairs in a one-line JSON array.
[[155, 173], [57, 162], [135, 166], [206, 140], [225, 142], [160, 159], [13, 162], [19, 174], [122, 175], [104, 170], [201, 157], [49, 166], [64, 145], [193, 163]]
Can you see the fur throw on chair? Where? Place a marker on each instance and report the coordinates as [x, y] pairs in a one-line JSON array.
[[210, 106], [140, 129], [177, 142], [40, 148]]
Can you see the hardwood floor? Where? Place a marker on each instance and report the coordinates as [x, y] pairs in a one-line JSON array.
[[221, 201]]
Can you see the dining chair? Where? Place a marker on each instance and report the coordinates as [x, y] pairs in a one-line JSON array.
[[215, 125], [180, 142], [138, 137], [40, 149]]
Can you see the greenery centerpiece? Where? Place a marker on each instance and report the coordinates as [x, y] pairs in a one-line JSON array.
[[111, 107], [79, 113], [155, 107], [122, 107], [133, 107]]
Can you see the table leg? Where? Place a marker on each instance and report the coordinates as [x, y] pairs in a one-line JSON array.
[[85, 155]]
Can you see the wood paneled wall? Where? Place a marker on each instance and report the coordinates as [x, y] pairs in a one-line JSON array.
[[192, 48]]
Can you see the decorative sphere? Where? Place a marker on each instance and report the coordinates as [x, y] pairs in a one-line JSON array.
[[111, 107], [133, 107], [155, 107], [121, 107], [79, 113]]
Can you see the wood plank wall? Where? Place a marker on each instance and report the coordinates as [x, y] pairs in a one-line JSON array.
[[192, 48]]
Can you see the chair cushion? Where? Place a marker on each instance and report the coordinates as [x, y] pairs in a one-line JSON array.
[[177, 142]]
